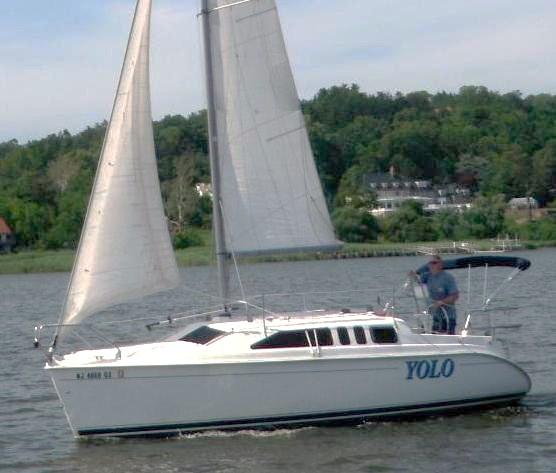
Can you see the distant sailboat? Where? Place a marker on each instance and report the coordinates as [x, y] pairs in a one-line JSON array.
[[292, 369]]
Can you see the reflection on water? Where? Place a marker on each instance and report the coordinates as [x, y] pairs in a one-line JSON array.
[[35, 436]]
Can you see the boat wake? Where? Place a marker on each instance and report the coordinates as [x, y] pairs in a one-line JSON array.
[[503, 413], [253, 433]]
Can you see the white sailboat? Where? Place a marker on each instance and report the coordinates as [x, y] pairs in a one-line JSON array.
[[283, 369]]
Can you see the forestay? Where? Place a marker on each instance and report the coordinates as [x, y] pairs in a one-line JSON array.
[[125, 249], [272, 199]]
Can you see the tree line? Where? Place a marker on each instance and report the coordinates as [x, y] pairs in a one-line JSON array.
[[498, 145]]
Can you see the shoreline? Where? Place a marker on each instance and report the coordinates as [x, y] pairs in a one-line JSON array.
[[44, 261]]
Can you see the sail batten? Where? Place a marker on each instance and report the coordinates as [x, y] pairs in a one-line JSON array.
[[271, 196], [125, 220]]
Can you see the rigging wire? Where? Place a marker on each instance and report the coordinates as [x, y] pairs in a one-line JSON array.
[[232, 252]]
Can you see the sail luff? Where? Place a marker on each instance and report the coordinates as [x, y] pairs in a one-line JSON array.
[[124, 251]]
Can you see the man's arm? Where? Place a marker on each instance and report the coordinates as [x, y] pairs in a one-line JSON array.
[[423, 274]]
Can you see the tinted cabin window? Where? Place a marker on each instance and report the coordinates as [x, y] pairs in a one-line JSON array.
[[202, 335], [360, 337], [293, 339], [324, 337], [343, 335], [384, 335]]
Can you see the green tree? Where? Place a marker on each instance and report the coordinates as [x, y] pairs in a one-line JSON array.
[[471, 170], [355, 225], [408, 224], [413, 149], [485, 219], [29, 221], [181, 196], [64, 168], [354, 192], [542, 176], [446, 224]]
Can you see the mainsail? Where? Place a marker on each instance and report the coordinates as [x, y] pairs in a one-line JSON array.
[[271, 197], [125, 250]]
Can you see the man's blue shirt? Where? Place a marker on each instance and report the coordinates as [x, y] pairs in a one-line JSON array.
[[439, 285]]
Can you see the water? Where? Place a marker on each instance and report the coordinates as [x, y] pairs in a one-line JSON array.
[[35, 437]]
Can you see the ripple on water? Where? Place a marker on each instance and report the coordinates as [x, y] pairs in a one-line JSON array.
[[541, 400]]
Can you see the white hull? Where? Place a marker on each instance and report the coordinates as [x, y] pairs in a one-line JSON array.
[[165, 400]]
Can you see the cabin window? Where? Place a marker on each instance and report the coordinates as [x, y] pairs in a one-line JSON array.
[[343, 336], [324, 337], [203, 335], [296, 339], [360, 337], [384, 335], [290, 339]]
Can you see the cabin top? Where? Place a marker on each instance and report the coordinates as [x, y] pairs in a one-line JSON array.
[[288, 321], [282, 332]]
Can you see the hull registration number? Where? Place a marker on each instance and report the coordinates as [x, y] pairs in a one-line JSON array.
[[97, 375]]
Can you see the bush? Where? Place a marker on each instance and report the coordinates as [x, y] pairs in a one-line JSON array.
[[187, 238], [446, 224], [538, 230], [355, 225], [409, 224], [485, 219], [202, 215]]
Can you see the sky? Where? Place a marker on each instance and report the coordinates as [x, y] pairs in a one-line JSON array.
[[60, 59]]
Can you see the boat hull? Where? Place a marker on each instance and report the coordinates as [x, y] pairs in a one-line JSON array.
[[166, 400]]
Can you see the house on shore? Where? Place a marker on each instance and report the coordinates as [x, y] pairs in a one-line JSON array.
[[525, 209], [7, 237], [523, 203], [392, 191]]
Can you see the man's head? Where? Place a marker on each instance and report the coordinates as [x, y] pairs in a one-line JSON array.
[[435, 264]]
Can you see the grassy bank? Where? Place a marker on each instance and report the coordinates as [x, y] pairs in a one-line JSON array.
[[36, 261]]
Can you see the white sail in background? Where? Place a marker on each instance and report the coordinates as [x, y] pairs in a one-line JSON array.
[[125, 250], [272, 199]]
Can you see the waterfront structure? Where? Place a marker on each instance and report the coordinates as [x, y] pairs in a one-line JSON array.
[[392, 191], [7, 237]]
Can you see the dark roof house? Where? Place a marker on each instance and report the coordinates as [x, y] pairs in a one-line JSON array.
[[7, 237]]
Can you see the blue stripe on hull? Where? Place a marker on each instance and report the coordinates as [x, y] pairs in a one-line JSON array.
[[330, 418]]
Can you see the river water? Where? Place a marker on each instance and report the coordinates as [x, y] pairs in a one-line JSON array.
[[35, 437]]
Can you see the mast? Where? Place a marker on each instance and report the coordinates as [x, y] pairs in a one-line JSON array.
[[222, 254]]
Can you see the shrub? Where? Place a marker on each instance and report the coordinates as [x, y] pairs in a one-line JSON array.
[[187, 238], [539, 230], [446, 224], [355, 225], [485, 219], [409, 224]]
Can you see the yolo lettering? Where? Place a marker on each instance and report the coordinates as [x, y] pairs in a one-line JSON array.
[[430, 369]]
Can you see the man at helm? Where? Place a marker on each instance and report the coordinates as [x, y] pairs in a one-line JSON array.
[[443, 294]]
